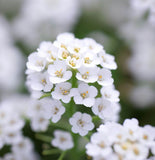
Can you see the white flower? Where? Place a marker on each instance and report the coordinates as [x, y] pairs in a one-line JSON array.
[[58, 72], [39, 122], [141, 5], [105, 77], [92, 45], [24, 146], [85, 94], [106, 110], [36, 94], [110, 93], [62, 140], [62, 91], [121, 141], [11, 59], [12, 137], [39, 82], [81, 123], [74, 61], [42, 16], [54, 110], [107, 60], [48, 51], [36, 63], [90, 59], [63, 40], [37, 107], [132, 128], [144, 91], [14, 123], [76, 47], [100, 145], [87, 74], [147, 135]]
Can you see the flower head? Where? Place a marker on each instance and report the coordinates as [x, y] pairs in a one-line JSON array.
[[81, 123], [62, 140]]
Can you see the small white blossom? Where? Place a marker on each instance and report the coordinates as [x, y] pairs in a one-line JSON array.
[[74, 61], [40, 82], [85, 94], [48, 51], [39, 122], [62, 91], [81, 123], [105, 77], [105, 109], [92, 45], [87, 74], [24, 146], [62, 140], [90, 59], [107, 60], [54, 110], [36, 63], [58, 72], [110, 93]]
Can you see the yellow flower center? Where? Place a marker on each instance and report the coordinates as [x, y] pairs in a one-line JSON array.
[[65, 92], [86, 75], [87, 60], [84, 95], [59, 73]]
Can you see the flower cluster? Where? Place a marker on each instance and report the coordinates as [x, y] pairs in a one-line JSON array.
[[22, 148], [142, 7], [67, 69], [126, 142], [10, 60], [140, 38], [62, 140], [46, 19], [11, 124]]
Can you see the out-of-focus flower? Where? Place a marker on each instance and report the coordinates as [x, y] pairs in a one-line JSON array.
[[10, 60], [81, 123], [13, 112], [127, 141], [142, 95], [45, 19], [106, 110], [62, 140]]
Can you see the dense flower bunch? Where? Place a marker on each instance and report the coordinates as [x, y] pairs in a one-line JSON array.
[[42, 15], [143, 57], [38, 113], [10, 60], [126, 142], [141, 62], [69, 69], [11, 124]]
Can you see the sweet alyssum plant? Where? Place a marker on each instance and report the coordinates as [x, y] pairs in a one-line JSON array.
[[73, 81]]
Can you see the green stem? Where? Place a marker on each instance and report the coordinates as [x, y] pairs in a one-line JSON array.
[[45, 95], [71, 105], [62, 125], [62, 155], [51, 151], [43, 138], [86, 138], [95, 118]]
